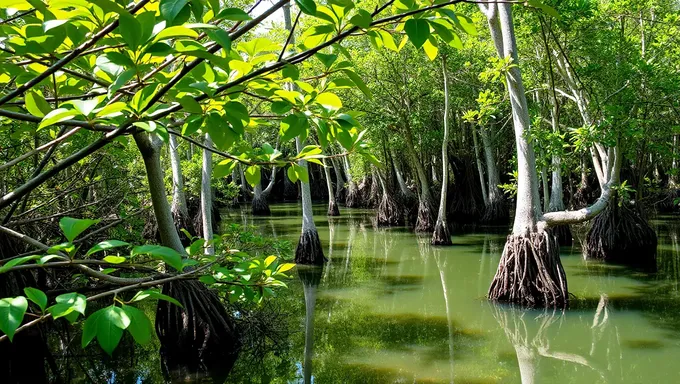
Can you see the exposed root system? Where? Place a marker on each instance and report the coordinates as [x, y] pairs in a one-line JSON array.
[[466, 201], [390, 213], [621, 235], [441, 235], [260, 206], [530, 272], [353, 198], [200, 338], [333, 209], [426, 217], [308, 250]]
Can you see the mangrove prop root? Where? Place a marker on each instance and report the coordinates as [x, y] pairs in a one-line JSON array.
[[530, 272], [198, 338], [389, 213], [441, 235], [260, 206], [353, 198], [308, 250], [333, 209], [621, 235], [426, 217], [466, 199]]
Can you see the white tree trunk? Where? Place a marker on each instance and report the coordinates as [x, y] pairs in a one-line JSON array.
[[480, 169], [179, 201], [206, 196], [492, 175]]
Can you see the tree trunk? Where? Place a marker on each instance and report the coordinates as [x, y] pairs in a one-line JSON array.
[[149, 147], [333, 209], [180, 210], [480, 170], [206, 196], [530, 272], [352, 199], [441, 234], [496, 210], [426, 219], [339, 180], [308, 250]]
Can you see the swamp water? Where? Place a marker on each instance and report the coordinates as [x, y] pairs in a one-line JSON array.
[[390, 308]]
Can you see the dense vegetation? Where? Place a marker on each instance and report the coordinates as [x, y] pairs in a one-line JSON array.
[[127, 128]]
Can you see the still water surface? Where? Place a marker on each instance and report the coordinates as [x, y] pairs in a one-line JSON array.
[[390, 308]]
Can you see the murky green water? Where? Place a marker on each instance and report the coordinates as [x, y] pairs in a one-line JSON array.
[[390, 308]]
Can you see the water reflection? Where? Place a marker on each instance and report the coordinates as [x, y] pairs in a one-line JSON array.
[[310, 278]]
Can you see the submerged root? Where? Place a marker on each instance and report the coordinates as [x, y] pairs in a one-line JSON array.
[[199, 339], [441, 235], [621, 235], [389, 213], [496, 212], [530, 272], [333, 209], [426, 218], [260, 206], [563, 234], [308, 250]]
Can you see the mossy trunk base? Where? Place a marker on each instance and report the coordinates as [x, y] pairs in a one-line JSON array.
[[333, 209], [260, 206], [530, 273], [308, 250], [199, 339], [621, 235], [441, 234]]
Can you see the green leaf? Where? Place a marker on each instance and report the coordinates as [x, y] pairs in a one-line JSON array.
[[234, 14], [85, 107], [130, 30], [140, 326], [224, 168], [141, 99], [90, 329], [269, 260], [37, 296], [110, 325], [307, 6], [329, 101], [359, 82], [290, 71], [220, 131], [77, 301], [56, 116], [168, 255], [171, 8], [221, 37], [114, 259], [253, 175], [297, 172], [284, 267], [362, 19], [36, 104], [155, 294], [17, 261], [292, 176], [292, 126], [417, 30], [190, 105], [73, 227], [176, 31], [106, 244], [281, 107], [12, 311]]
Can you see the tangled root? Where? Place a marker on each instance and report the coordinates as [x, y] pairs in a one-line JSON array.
[[389, 213], [426, 218], [260, 206], [530, 272], [199, 338], [441, 235], [333, 209], [308, 250], [353, 198], [621, 235]]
